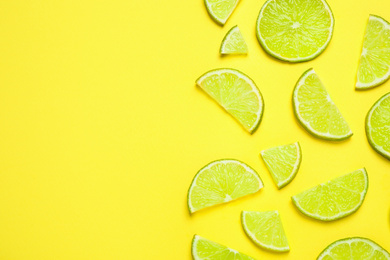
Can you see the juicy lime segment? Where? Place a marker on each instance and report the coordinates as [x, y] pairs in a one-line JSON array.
[[265, 229], [236, 93], [220, 182], [374, 65], [354, 248], [378, 126], [335, 199], [283, 163], [316, 111], [204, 249], [220, 10], [233, 43], [295, 31]]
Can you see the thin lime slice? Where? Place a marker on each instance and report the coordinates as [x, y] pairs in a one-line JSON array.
[[335, 199], [265, 229], [295, 31], [204, 249], [316, 111], [378, 126], [220, 10], [233, 43], [374, 65], [283, 162], [236, 93], [220, 182], [354, 248]]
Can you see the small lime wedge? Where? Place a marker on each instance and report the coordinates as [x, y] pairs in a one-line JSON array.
[[220, 10], [316, 111], [335, 199], [265, 229], [220, 182], [283, 163], [236, 93], [233, 42], [354, 248], [378, 126]]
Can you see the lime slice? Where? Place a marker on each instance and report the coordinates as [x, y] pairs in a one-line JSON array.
[[204, 249], [378, 126], [220, 10], [236, 93], [316, 111], [295, 31], [265, 229], [335, 199], [283, 163], [233, 43], [354, 248], [220, 182], [374, 65]]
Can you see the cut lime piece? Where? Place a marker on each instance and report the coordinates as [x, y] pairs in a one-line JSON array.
[[335, 199], [374, 65], [265, 229], [220, 10], [204, 249], [283, 163], [295, 31], [378, 126], [233, 43], [220, 182], [316, 111], [354, 248], [236, 93]]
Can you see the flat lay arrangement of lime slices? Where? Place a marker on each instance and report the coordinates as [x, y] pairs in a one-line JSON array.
[[265, 229], [378, 126], [335, 199], [204, 249], [283, 162], [374, 65], [295, 31], [236, 93], [220, 10], [220, 182], [316, 111], [233, 42], [354, 248]]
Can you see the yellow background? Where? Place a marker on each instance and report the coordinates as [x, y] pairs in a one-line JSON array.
[[102, 130]]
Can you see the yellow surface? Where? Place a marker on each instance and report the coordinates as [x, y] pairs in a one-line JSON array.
[[103, 128]]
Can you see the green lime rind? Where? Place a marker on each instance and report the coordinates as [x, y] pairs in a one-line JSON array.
[[329, 197], [383, 130], [377, 252], [217, 190], [299, 59], [233, 43], [204, 249], [213, 13], [280, 183], [306, 125], [258, 232], [378, 81], [260, 101]]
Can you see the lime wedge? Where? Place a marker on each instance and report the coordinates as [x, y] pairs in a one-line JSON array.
[[233, 43], [204, 249], [378, 126], [374, 65], [236, 93], [316, 111], [265, 229], [283, 163], [220, 182], [354, 248], [220, 10], [335, 199], [295, 31]]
